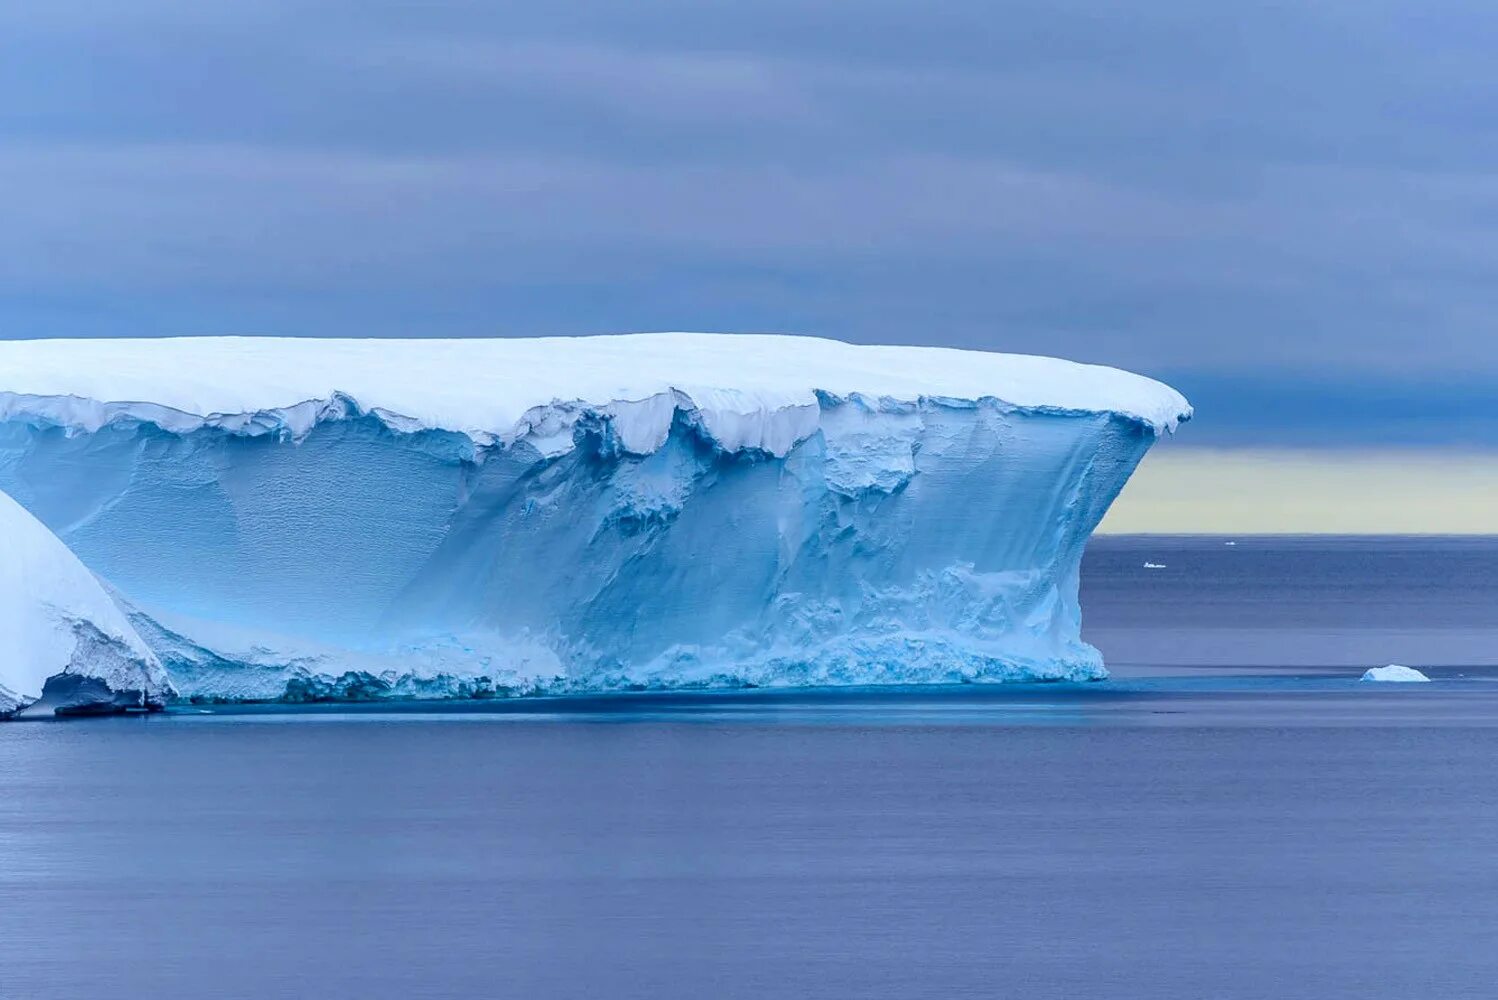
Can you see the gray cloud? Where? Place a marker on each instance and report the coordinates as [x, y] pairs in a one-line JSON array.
[[1176, 187]]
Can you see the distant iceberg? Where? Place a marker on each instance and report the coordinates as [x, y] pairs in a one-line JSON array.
[[315, 519], [1395, 674]]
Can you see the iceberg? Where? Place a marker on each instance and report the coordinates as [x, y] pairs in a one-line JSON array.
[[68, 649], [324, 519], [1394, 674]]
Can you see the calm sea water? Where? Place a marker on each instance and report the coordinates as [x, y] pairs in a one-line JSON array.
[[1246, 821]]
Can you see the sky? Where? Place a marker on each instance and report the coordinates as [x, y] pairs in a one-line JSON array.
[[1286, 210], [1277, 490]]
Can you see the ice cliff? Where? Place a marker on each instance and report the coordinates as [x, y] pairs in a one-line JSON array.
[[360, 518], [65, 646]]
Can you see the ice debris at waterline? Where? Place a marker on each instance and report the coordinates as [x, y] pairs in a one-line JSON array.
[[310, 519], [65, 647], [1395, 674]]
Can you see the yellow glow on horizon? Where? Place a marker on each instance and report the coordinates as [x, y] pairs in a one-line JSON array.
[[1280, 491]]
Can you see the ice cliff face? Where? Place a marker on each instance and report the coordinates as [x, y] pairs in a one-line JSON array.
[[314, 519], [65, 646]]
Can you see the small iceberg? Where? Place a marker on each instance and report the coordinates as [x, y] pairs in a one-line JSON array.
[[1395, 674]]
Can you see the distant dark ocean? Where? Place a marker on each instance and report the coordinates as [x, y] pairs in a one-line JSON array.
[[1296, 601], [1234, 815]]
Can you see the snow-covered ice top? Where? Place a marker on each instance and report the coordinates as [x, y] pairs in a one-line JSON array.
[[750, 391], [1395, 674], [46, 595]]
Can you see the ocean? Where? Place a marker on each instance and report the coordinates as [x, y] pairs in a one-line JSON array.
[[1232, 815]]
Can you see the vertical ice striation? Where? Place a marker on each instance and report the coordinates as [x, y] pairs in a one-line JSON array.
[[690, 521]]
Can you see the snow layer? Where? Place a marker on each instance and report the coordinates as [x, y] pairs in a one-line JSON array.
[[1395, 674], [63, 636], [749, 391], [316, 519]]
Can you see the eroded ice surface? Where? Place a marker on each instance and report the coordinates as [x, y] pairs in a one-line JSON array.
[[305, 518], [64, 644]]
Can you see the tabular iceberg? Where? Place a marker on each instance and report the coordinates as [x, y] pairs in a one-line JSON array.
[[1394, 674], [297, 518]]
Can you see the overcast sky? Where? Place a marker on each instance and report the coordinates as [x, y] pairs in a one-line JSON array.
[[1282, 208]]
